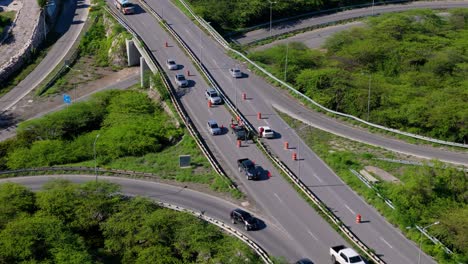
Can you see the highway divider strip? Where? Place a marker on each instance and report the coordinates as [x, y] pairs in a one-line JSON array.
[[223, 43], [179, 108], [275, 159]]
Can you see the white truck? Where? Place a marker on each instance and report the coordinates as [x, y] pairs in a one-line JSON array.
[[344, 255], [125, 6]]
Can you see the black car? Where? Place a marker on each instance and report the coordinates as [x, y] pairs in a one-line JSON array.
[[240, 132], [241, 216]]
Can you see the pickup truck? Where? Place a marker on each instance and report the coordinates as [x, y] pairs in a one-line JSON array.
[[344, 255], [240, 132], [249, 168]]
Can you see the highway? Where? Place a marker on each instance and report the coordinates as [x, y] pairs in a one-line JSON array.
[[309, 235], [272, 239], [274, 196]]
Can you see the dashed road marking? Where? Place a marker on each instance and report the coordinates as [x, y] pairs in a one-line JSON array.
[[312, 234], [388, 244], [278, 197], [349, 209]]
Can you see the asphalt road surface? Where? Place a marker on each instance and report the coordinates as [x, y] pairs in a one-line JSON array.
[[288, 26], [272, 239], [274, 195]]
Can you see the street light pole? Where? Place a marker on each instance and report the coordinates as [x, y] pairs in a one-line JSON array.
[[94, 150], [271, 13], [286, 63], [420, 240], [368, 98]]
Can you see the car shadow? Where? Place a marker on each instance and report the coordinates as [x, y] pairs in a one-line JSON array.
[[263, 175], [245, 75], [191, 83], [260, 225], [138, 10]]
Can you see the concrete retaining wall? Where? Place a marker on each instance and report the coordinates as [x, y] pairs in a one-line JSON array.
[[21, 58]]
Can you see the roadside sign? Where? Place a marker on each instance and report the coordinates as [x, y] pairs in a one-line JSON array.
[[184, 161], [67, 99]]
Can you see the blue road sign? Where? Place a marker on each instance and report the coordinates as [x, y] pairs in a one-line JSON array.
[[66, 99]]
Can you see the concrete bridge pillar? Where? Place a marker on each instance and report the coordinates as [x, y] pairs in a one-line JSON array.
[[133, 55], [144, 69]]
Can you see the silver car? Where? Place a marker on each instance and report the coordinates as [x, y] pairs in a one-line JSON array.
[[171, 64], [235, 72], [213, 127], [180, 80], [213, 96]]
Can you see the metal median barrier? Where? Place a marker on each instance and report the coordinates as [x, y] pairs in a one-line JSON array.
[[180, 110], [223, 43]]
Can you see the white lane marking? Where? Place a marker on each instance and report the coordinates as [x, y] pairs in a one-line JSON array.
[[388, 244], [308, 231], [278, 197], [315, 175], [349, 209]]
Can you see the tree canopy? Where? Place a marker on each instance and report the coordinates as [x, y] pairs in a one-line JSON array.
[[93, 223]]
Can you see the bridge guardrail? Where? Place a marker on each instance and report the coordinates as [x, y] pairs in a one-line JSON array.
[[180, 110], [295, 91]]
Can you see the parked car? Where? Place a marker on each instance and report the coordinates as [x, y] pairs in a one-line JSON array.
[[241, 216], [248, 168], [180, 80], [171, 64], [213, 127], [235, 72], [213, 96], [266, 132]]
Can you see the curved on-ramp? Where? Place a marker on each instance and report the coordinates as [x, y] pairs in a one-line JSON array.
[[272, 239]]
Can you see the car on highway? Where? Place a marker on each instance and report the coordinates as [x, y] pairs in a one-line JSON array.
[[171, 64], [343, 255], [213, 96], [240, 132], [266, 132], [240, 216], [213, 127], [235, 72], [248, 168], [180, 80]]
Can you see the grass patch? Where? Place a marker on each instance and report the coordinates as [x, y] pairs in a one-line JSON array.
[[5, 19]]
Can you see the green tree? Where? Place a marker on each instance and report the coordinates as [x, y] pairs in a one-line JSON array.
[[41, 239], [15, 201]]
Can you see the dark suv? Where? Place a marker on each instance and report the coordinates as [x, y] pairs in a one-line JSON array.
[[241, 216]]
